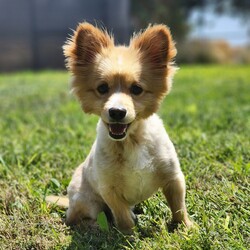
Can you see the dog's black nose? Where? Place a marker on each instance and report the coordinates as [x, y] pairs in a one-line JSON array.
[[117, 113]]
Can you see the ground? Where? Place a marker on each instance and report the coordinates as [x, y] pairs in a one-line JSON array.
[[44, 136]]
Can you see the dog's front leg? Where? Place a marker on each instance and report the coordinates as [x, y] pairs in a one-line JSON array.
[[174, 192], [120, 210]]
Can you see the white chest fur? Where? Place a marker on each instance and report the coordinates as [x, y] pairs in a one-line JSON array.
[[138, 174], [132, 173]]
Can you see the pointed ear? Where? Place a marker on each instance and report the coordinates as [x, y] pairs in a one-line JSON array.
[[85, 44], [155, 45]]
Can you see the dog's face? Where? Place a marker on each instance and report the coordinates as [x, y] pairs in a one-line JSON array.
[[120, 84]]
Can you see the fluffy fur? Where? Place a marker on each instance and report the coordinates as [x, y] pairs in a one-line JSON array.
[[132, 156]]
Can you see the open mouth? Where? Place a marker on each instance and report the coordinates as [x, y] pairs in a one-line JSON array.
[[118, 131]]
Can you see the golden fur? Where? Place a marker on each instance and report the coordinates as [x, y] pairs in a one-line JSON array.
[[132, 156]]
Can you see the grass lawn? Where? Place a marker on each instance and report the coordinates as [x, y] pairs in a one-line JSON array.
[[44, 136]]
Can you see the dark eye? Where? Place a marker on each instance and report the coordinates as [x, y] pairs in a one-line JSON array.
[[136, 89], [103, 88]]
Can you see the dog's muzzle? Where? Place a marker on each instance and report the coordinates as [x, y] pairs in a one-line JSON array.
[[117, 129]]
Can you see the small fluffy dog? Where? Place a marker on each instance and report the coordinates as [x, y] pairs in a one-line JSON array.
[[132, 156]]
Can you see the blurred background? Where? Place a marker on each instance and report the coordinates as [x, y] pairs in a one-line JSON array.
[[32, 32]]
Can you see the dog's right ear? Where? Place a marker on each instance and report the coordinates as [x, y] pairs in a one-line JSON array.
[[156, 46], [82, 48]]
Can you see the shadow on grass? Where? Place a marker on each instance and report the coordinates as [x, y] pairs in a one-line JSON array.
[[88, 235]]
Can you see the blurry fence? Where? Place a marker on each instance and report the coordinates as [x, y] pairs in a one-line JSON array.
[[32, 32]]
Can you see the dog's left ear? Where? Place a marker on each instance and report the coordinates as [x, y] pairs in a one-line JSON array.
[[155, 45], [83, 47]]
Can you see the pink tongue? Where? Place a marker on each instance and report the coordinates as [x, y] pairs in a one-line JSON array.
[[117, 128]]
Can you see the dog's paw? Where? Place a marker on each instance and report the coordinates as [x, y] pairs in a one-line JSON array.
[[126, 228], [188, 223], [127, 231], [173, 225]]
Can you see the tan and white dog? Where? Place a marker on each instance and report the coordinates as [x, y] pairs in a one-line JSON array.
[[132, 156]]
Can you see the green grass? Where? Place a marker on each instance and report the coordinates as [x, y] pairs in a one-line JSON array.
[[44, 136]]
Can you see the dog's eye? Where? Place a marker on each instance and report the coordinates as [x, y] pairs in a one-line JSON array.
[[103, 88], [136, 89]]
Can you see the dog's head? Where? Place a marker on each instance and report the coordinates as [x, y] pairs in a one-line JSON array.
[[120, 84]]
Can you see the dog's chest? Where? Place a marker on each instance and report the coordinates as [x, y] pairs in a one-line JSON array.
[[137, 185], [132, 174]]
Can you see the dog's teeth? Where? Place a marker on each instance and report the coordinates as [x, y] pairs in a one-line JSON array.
[[117, 129]]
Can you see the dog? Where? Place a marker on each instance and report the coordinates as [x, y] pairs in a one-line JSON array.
[[132, 156]]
